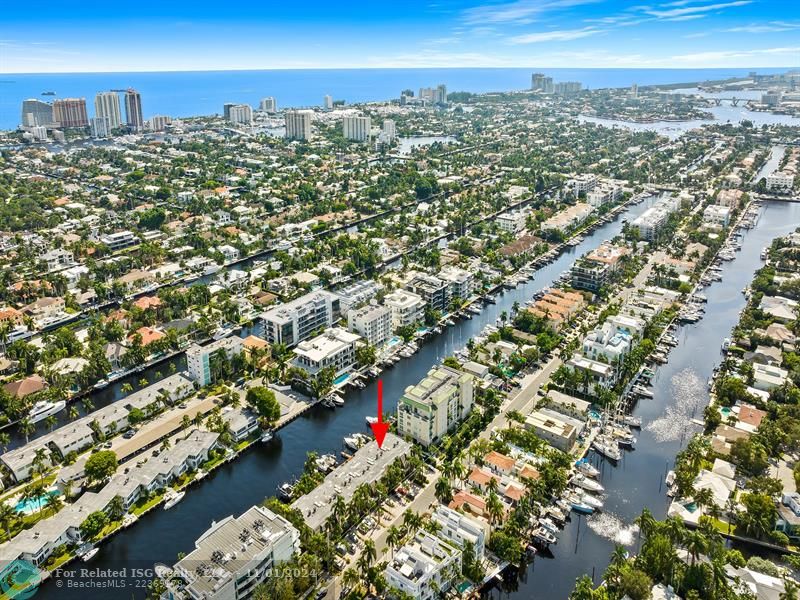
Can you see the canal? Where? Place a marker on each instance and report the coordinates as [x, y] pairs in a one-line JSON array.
[[161, 535], [680, 393]]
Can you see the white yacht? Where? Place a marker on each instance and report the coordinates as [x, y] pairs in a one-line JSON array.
[[43, 409], [172, 498]]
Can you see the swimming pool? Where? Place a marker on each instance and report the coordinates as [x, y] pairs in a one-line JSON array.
[[341, 379], [35, 504]]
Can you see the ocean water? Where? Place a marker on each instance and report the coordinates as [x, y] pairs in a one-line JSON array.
[[191, 93]]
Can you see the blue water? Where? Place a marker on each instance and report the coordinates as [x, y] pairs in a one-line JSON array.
[[35, 504], [184, 94], [341, 379]]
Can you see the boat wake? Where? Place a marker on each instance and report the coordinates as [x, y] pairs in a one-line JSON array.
[[676, 422], [612, 528]]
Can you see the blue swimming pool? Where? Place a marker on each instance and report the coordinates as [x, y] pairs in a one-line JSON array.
[[35, 504], [341, 379]]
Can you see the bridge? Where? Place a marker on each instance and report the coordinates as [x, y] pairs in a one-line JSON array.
[[734, 100]]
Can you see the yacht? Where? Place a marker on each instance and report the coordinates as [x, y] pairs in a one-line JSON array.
[[586, 468], [43, 409], [632, 421], [90, 554], [587, 483], [592, 501], [267, 436], [543, 536], [172, 498], [211, 269], [371, 420], [337, 400], [608, 448], [579, 506]]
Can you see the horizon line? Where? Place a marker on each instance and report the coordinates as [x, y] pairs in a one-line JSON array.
[[392, 68]]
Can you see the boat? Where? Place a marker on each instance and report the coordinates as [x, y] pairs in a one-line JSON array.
[[726, 343], [586, 468], [371, 420], [549, 525], [592, 501], [211, 269], [337, 400], [580, 507], [90, 554], [267, 436], [632, 421], [43, 409], [172, 498], [326, 463], [607, 448], [285, 491], [587, 483], [543, 536]]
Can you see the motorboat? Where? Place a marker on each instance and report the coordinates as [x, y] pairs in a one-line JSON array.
[[326, 463], [43, 409], [285, 491], [267, 436], [337, 400], [592, 501], [356, 441], [543, 536], [549, 525], [609, 449], [172, 498], [580, 507], [632, 421], [90, 554], [587, 483], [586, 468], [371, 420]]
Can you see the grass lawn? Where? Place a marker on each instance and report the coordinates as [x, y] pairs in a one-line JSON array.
[[722, 527], [140, 508]]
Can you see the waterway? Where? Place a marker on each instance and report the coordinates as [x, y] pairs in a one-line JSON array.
[[585, 544], [161, 535], [725, 113]]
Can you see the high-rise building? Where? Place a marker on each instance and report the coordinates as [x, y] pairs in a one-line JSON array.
[[327, 102], [133, 110], [634, 90], [356, 128], [567, 87], [159, 122], [298, 320], [268, 104], [106, 105], [101, 127], [199, 361], [298, 124], [70, 112], [239, 113], [389, 130], [429, 410], [36, 113], [541, 83], [437, 95]]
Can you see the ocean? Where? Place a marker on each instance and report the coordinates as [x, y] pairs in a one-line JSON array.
[[192, 93]]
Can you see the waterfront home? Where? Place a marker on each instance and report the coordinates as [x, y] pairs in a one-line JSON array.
[[767, 377], [367, 465], [789, 515], [779, 308], [243, 422], [334, 349], [461, 529], [724, 437], [719, 480], [557, 432], [236, 554], [567, 405], [38, 543], [434, 406], [21, 388], [593, 371], [424, 567], [607, 342], [464, 500]]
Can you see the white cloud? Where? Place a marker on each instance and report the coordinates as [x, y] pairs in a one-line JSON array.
[[563, 35], [724, 57], [771, 27], [672, 13], [520, 12]]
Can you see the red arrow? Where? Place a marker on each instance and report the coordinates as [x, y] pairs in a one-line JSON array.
[[380, 428]]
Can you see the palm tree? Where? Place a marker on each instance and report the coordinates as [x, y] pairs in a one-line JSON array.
[[350, 578], [54, 503], [394, 537], [26, 428], [5, 440], [51, 421], [73, 413], [443, 491], [790, 590], [88, 405], [7, 516], [696, 544], [165, 445], [494, 507]]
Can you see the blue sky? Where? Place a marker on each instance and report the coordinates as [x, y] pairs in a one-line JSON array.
[[202, 34]]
